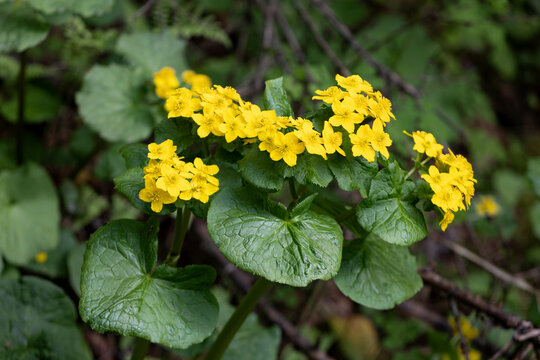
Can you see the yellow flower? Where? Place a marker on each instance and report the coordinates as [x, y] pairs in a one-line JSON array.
[[354, 83], [331, 95], [381, 108], [311, 139], [436, 179], [203, 173], [41, 257], [164, 151], [198, 82], [228, 92], [287, 147], [157, 197], [361, 143], [199, 190], [233, 128], [165, 80], [180, 103], [344, 115], [448, 198], [487, 206], [468, 331], [171, 181], [425, 143], [446, 220], [380, 140], [332, 140], [208, 123]]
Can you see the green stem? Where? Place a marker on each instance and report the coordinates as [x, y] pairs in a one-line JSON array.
[[345, 215], [140, 349], [180, 230], [234, 323], [294, 195], [20, 109]]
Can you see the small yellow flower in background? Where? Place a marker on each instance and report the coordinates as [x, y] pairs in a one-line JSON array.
[[487, 206], [467, 329], [41, 257], [473, 355], [165, 80]]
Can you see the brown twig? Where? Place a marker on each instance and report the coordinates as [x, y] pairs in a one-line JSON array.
[[502, 350], [243, 282], [462, 340], [382, 70], [320, 39]]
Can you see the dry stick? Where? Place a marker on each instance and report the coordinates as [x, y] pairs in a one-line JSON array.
[[491, 268], [320, 39], [502, 350], [294, 44], [382, 70], [243, 282], [462, 340]]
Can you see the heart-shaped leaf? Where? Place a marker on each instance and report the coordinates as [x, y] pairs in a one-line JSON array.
[[38, 321], [255, 235], [29, 213], [377, 274], [389, 210], [275, 98], [123, 293], [20, 27], [110, 102]]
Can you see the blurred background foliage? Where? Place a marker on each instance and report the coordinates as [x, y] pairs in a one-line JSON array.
[[475, 64]]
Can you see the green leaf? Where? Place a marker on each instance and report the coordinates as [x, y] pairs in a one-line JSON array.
[[303, 206], [352, 173], [130, 183], [254, 234], [29, 214], [309, 169], [533, 172], [40, 105], [74, 262], [377, 274], [122, 293], [111, 103], [534, 215], [56, 264], [176, 129], [111, 163], [135, 154], [275, 98], [85, 8], [389, 210], [258, 169], [20, 27], [153, 51], [38, 321]]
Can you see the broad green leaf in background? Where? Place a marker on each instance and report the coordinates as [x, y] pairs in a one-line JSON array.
[[85, 8], [258, 169], [275, 98], [534, 215], [111, 103], [533, 172], [176, 129], [20, 27], [40, 105], [111, 163], [56, 264], [153, 51], [509, 186], [388, 212], [130, 183], [134, 154], [255, 235], [74, 262], [29, 214], [123, 292], [38, 321], [377, 274]]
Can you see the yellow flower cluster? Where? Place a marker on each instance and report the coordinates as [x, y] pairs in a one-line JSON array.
[[451, 178], [221, 111], [469, 334], [168, 178]]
